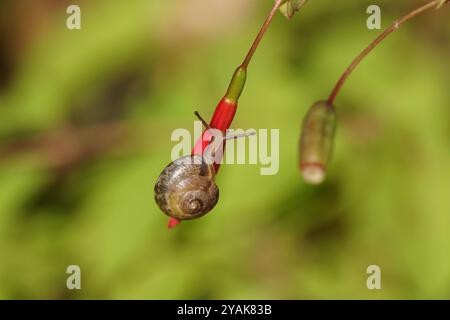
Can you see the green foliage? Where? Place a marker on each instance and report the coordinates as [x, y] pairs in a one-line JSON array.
[[88, 200]]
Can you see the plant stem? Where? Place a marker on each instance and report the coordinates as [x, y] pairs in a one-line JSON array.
[[261, 33], [394, 26]]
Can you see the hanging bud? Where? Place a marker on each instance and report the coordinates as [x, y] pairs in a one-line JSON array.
[[290, 7], [316, 142], [441, 3]]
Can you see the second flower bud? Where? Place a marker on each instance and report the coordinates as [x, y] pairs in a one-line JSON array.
[[316, 141]]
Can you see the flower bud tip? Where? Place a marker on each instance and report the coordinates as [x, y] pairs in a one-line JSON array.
[[313, 173], [173, 223]]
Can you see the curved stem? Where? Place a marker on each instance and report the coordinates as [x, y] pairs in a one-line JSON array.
[[394, 26], [261, 33]]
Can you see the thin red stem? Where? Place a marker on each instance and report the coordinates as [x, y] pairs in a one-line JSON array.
[[394, 26], [260, 35]]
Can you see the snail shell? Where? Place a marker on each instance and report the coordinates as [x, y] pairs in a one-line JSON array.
[[186, 188]]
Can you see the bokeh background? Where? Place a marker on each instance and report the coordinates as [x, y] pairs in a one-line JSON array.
[[85, 124]]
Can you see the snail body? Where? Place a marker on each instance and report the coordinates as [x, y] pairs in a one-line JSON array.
[[186, 188]]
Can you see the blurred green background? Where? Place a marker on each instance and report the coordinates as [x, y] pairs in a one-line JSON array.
[[85, 124]]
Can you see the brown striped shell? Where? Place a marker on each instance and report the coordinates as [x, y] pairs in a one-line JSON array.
[[186, 188]]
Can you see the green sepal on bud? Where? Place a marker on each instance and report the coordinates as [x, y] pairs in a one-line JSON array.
[[317, 141], [290, 7], [236, 85], [441, 3]]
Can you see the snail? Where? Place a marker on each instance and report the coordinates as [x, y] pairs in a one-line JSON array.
[[186, 188]]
